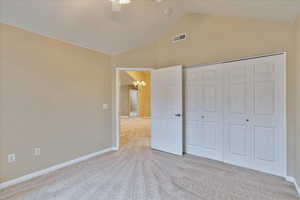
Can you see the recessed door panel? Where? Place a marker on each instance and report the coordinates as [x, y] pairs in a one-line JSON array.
[[209, 98], [194, 134], [238, 140], [193, 102], [237, 98], [264, 98], [210, 135], [264, 143]]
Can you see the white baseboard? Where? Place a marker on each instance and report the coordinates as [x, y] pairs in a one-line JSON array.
[[53, 168], [293, 180], [115, 148]]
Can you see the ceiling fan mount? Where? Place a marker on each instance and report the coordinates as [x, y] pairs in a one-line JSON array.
[[117, 4]]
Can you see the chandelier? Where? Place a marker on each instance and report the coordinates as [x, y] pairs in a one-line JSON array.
[[139, 83]]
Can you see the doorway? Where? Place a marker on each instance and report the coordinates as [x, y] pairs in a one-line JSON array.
[[133, 107]]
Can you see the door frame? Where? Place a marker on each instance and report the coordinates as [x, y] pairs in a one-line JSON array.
[[117, 101], [180, 111]]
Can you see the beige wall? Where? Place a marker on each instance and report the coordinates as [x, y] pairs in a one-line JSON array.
[[147, 95], [214, 38], [124, 100], [144, 92], [50, 95]]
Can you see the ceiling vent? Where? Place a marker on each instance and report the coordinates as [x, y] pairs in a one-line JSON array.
[[179, 37]]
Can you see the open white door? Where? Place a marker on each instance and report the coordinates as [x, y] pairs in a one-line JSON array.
[[167, 110]]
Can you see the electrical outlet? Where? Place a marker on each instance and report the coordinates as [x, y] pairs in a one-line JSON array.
[[37, 151], [11, 158]]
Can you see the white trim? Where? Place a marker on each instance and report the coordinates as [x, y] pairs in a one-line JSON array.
[[147, 117], [114, 148], [133, 69], [117, 109], [117, 102], [124, 116], [285, 159], [293, 180], [53, 168], [72, 43], [239, 59]]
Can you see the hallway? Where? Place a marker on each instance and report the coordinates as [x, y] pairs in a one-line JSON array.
[[134, 128]]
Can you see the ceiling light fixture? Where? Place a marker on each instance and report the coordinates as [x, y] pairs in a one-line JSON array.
[[121, 1], [139, 83]]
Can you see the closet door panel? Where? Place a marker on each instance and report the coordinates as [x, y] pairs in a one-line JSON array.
[[212, 113], [237, 106], [203, 98], [266, 116], [192, 108]]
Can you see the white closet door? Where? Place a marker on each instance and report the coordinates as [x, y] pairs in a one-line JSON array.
[[237, 111], [267, 114], [167, 133], [203, 111], [254, 110]]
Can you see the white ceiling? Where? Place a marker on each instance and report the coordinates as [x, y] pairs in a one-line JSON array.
[[91, 23]]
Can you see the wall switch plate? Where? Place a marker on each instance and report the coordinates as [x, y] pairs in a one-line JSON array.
[[11, 158], [37, 151], [105, 106]]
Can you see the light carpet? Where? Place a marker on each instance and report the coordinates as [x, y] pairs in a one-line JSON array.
[[134, 127], [138, 173]]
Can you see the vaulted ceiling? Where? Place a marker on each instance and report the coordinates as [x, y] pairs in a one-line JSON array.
[[92, 24]]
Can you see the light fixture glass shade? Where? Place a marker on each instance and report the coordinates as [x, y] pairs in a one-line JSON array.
[[143, 83], [121, 1], [139, 83], [124, 1]]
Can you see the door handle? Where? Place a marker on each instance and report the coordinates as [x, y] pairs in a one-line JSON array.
[[177, 115]]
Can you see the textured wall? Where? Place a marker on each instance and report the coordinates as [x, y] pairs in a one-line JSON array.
[[124, 100], [50, 97], [215, 38]]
